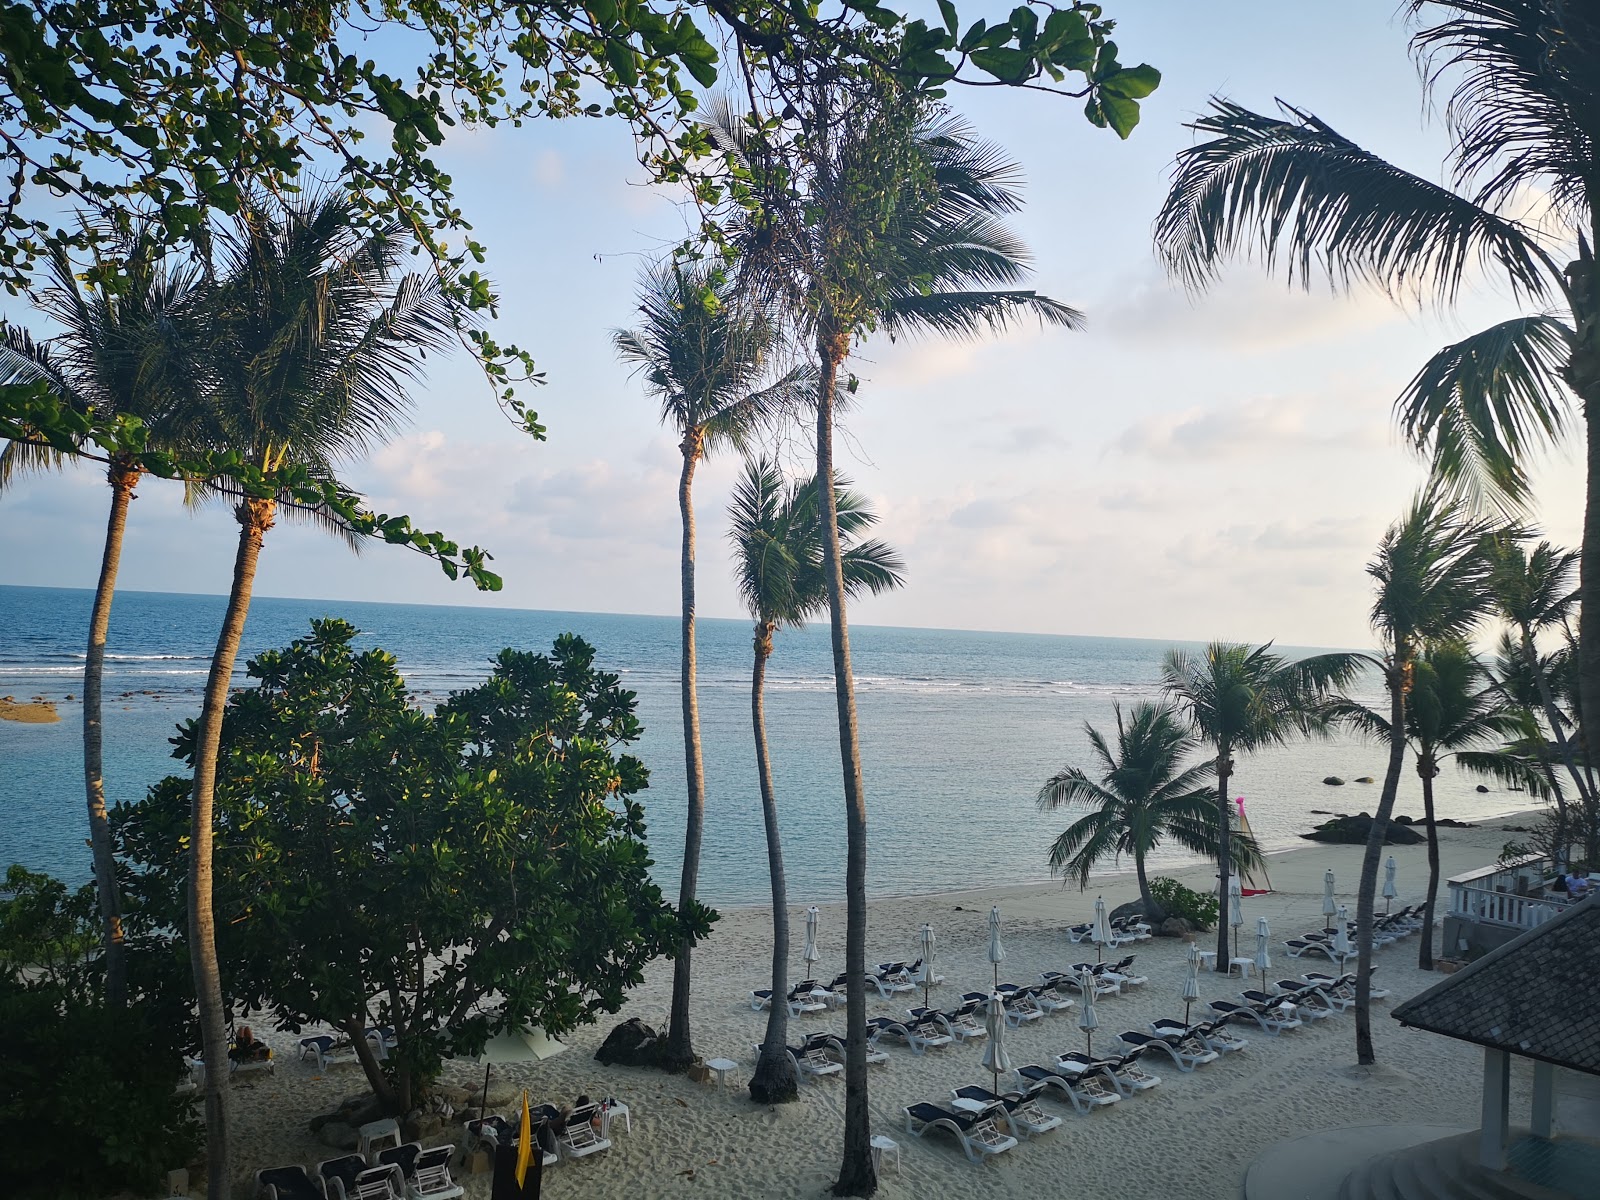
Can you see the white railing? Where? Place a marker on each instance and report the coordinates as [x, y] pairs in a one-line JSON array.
[[1494, 907]]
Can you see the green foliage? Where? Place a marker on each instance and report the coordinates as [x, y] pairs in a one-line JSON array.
[[451, 874], [1179, 901], [91, 1088]]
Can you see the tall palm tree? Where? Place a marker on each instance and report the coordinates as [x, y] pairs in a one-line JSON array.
[[1144, 795], [129, 352], [1296, 192], [708, 358], [1431, 576], [1454, 706], [314, 336], [777, 536], [876, 212], [1243, 699]]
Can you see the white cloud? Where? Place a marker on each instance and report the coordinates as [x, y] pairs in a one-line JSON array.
[[1252, 428]]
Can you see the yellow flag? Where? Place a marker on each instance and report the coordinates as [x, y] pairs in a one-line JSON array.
[[524, 1143]]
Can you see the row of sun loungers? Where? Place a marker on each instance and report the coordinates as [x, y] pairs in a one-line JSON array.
[[1124, 931], [406, 1172], [1384, 931], [810, 995]]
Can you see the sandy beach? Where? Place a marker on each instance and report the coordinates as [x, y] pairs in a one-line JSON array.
[[1190, 1137]]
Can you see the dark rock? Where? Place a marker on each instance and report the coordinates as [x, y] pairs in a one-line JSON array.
[[339, 1136], [1175, 927], [1402, 819], [631, 1044], [1333, 781], [1321, 812], [1353, 831], [1134, 908], [1482, 787], [422, 1126], [1364, 779], [1452, 823], [456, 1097]]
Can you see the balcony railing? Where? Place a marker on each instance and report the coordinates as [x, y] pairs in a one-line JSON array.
[[1510, 894]]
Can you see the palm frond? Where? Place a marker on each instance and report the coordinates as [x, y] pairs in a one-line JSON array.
[[1293, 191], [1481, 405], [1431, 573], [972, 314]]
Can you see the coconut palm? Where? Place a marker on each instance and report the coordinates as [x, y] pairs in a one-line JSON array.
[[777, 536], [1431, 576], [124, 353], [314, 336], [1294, 191], [1243, 699], [876, 212], [1454, 706], [708, 359], [1144, 795]]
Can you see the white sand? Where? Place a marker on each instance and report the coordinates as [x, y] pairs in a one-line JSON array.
[[1192, 1137]]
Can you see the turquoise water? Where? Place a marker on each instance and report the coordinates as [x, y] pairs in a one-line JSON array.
[[959, 729]]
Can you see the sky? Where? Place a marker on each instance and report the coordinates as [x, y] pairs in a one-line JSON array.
[[1212, 466]]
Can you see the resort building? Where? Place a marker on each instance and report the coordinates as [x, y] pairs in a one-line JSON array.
[[1490, 906]]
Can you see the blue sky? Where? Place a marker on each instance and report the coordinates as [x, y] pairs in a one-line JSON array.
[[1218, 466]]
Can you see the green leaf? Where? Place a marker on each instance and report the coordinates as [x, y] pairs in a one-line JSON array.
[[1122, 115], [1006, 65], [948, 11], [1132, 83]]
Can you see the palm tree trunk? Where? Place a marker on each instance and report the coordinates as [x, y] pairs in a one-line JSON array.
[[774, 1081], [680, 1050], [1152, 911], [856, 1176], [1425, 949], [1224, 835], [255, 518], [1583, 375], [123, 480], [1398, 681]]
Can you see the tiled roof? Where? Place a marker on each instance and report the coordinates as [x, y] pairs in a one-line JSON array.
[[1535, 996]]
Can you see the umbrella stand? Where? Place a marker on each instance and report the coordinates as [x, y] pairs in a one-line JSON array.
[[1186, 1004], [483, 1106], [1088, 1042]]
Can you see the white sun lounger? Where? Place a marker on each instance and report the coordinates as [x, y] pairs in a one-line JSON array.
[[1021, 1110], [977, 1133], [1186, 1055], [919, 1035], [1085, 1093], [1273, 1019]]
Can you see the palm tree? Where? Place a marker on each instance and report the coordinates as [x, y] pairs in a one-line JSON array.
[[129, 353], [1296, 192], [778, 541], [1431, 577], [705, 356], [1454, 705], [876, 213], [1242, 699], [314, 336], [1144, 794]]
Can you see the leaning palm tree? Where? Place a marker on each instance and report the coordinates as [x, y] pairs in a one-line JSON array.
[[874, 211], [128, 352], [1431, 576], [1454, 707], [1145, 794], [708, 359], [314, 336], [1300, 195], [777, 536], [1243, 699]]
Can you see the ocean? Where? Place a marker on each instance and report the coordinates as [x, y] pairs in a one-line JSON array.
[[959, 729]]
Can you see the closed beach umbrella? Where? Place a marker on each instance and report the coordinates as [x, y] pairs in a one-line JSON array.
[[1263, 959], [1235, 910], [1191, 981], [1389, 890], [997, 952], [1328, 905], [1102, 928], [1088, 1019], [1341, 935], [994, 1046], [929, 945], [811, 953]]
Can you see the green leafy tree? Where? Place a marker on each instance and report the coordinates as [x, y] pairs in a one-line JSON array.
[[1244, 699], [451, 875], [1144, 795], [127, 352], [1454, 707], [777, 538], [1298, 194], [313, 337], [1431, 577], [708, 359], [875, 212]]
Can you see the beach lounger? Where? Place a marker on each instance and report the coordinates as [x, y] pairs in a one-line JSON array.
[[960, 1022], [1131, 928], [919, 1035], [1273, 1019], [1019, 1004], [833, 1045], [350, 1178], [1344, 986], [382, 1040], [1085, 1094], [805, 997], [497, 1131], [1079, 933], [892, 978], [1306, 1012], [1021, 1109], [920, 978], [814, 1060], [1186, 1054], [325, 1048], [1213, 1036], [1104, 984], [1048, 997], [976, 1132], [1122, 1072], [1310, 998], [288, 1183], [580, 1134], [1124, 972], [424, 1173]]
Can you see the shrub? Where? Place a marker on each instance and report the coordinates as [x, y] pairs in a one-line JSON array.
[[1179, 901]]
